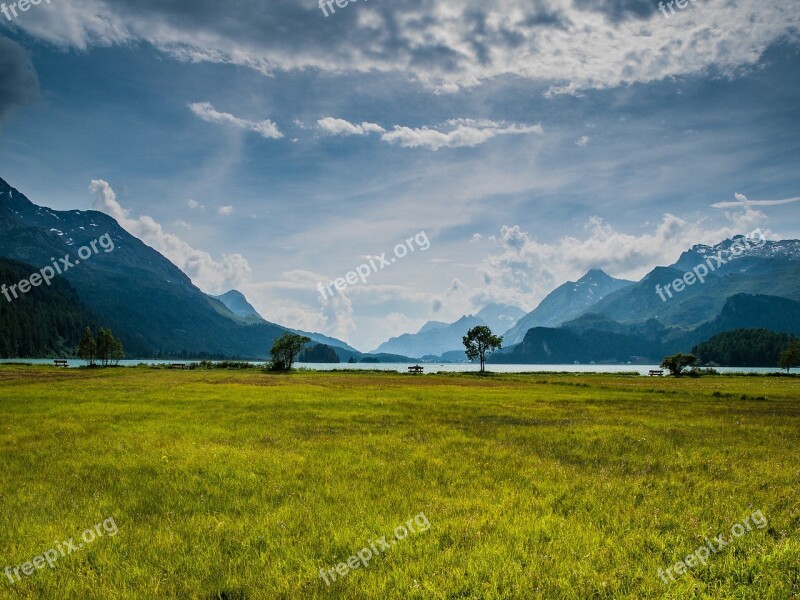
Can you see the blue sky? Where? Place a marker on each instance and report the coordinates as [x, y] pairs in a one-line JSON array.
[[266, 147]]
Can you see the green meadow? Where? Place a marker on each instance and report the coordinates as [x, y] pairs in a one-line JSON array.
[[245, 484]]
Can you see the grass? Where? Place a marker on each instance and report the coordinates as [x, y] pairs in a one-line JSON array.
[[243, 485]]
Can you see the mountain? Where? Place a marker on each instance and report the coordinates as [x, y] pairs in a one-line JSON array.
[[771, 270], [431, 325], [566, 302], [150, 304], [544, 345], [436, 337], [600, 339], [747, 311], [433, 341], [235, 301]]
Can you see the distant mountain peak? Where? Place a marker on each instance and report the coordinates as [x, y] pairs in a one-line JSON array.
[[567, 302], [236, 302], [431, 325]]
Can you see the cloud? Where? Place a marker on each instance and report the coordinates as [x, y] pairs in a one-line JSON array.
[[208, 274], [19, 84], [294, 300], [225, 211], [333, 126], [583, 141], [476, 238], [463, 133], [207, 112], [182, 223], [571, 45], [194, 205], [742, 201]]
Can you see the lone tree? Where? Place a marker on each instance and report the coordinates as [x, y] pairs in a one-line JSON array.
[[790, 357], [285, 350], [678, 362], [480, 340], [87, 348]]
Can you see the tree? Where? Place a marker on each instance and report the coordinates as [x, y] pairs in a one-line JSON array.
[[678, 362], [480, 340], [319, 353], [105, 345], [87, 347], [790, 357], [285, 350], [117, 352]]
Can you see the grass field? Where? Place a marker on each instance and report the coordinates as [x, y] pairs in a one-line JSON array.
[[244, 484]]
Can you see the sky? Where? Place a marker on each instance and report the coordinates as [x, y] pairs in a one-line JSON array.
[[267, 147]]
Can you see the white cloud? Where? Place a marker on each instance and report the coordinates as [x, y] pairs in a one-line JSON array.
[[463, 133], [458, 133], [743, 201], [583, 141], [294, 300], [208, 274], [226, 211], [333, 126], [207, 112], [476, 238], [182, 223], [573, 45], [194, 205]]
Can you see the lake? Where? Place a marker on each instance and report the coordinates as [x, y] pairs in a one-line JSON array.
[[429, 367]]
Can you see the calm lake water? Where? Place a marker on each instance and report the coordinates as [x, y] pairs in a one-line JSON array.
[[432, 367]]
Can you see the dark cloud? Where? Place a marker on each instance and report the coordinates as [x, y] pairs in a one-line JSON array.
[[19, 84]]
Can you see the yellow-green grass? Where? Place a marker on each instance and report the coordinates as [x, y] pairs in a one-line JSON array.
[[245, 484]]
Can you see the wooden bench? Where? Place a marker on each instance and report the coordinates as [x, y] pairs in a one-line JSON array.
[[178, 366], [60, 362], [656, 373], [416, 370]]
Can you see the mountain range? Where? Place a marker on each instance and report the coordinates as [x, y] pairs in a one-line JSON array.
[[602, 319], [756, 289], [157, 312], [436, 338]]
